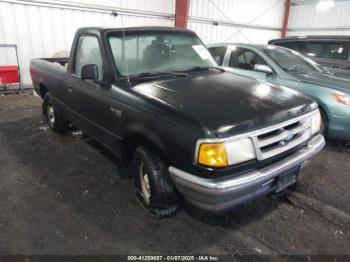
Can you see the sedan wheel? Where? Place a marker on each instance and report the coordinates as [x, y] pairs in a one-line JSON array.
[[324, 123]]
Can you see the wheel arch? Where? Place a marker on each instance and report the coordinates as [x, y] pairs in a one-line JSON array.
[[323, 107], [43, 90], [135, 138]]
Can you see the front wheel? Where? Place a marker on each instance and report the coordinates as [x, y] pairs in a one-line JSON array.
[[53, 118], [153, 187], [324, 124]]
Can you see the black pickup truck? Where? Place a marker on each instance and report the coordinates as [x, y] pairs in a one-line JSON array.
[[182, 126]]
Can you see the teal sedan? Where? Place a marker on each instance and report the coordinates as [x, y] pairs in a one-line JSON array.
[[288, 68]]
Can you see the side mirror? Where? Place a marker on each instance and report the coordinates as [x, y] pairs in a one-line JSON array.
[[89, 72], [263, 69], [217, 60]]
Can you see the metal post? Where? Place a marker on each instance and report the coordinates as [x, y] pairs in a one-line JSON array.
[[181, 13], [286, 18], [19, 70], [18, 62]]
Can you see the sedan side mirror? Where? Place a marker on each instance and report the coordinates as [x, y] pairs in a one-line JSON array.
[[217, 60], [89, 72], [263, 69]]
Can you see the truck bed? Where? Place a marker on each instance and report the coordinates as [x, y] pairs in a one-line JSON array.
[[63, 61], [48, 72]]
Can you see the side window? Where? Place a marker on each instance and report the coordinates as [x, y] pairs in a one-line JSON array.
[[245, 59], [88, 52], [291, 45], [313, 49], [331, 50], [218, 53]]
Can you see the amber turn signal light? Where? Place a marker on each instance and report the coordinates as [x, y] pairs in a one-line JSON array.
[[213, 155]]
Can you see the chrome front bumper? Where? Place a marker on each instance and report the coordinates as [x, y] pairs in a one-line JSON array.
[[217, 195]]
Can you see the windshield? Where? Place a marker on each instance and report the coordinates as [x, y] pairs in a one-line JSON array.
[[158, 52], [291, 61]]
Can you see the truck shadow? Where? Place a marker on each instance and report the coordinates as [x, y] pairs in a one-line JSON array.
[[82, 174], [238, 216], [338, 145]]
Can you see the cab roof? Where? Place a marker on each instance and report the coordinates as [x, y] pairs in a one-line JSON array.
[[102, 30], [312, 37]]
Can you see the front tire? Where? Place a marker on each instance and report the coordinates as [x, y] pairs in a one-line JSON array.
[[52, 116], [324, 125], [153, 187]]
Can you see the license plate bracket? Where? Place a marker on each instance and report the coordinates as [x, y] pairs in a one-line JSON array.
[[287, 179]]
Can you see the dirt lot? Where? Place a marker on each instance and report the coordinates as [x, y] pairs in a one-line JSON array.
[[62, 195]]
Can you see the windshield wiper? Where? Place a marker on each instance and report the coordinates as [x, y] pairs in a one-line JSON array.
[[292, 69], [203, 68], [182, 73], [156, 74], [327, 72]]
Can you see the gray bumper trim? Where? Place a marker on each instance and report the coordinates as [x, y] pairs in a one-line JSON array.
[[216, 195]]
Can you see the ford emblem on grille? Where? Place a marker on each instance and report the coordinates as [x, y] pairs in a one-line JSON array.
[[289, 137]]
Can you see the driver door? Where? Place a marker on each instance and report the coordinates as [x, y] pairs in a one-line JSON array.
[[90, 102]]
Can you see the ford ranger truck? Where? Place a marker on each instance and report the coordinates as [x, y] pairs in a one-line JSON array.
[[180, 125]]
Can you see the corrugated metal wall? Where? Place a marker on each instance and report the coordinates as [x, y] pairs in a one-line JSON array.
[[43, 27], [266, 15], [41, 31], [223, 34], [163, 6], [305, 19]]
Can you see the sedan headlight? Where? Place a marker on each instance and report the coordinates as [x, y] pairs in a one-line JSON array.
[[316, 122], [226, 153]]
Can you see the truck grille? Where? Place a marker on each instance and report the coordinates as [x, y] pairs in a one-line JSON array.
[[281, 138]]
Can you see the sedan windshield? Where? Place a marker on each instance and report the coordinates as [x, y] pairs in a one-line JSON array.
[[158, 52], [291, 61]]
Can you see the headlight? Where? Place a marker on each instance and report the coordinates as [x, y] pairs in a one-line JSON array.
[[240, 151], [227, 153], [341, 99], [316, 122]]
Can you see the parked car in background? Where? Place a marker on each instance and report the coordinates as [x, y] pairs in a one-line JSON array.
[[155, 97], [285, 67], [331, 52]]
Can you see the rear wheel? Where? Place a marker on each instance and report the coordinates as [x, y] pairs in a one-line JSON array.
[[153, 187], [53, 118]]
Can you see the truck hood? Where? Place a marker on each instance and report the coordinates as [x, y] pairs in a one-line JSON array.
[[326, 80], [224, 103]]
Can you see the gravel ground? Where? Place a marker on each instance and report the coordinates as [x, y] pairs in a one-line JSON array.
[[62, 195]]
